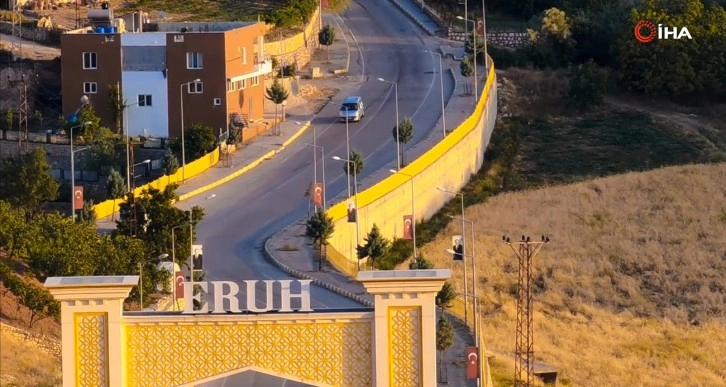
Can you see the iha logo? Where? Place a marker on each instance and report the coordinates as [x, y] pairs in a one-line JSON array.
[[646, 31]]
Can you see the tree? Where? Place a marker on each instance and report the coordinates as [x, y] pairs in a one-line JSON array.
[[90, 120], [38, 300], [467, 70], [115, 187], [88, 214], [26, 182], [117, 106], [403, 135], [320, 228], [376, 246], [326, 37], [170, 163], [587, 85], [355, 164], [39, 117], [277, 94], [420, 263], [469, 48], [106, 148], [155, 216], [444, 338], [445, 296], [9, 118], [338, 5], [198, 141]]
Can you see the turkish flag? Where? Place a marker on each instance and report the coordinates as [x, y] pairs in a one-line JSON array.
[[78, 197], [318, 194], [179, 280], [472, 363], [479, 27], [324, 4], [407, 227]]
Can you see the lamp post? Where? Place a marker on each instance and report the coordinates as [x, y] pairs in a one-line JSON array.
[[141, 278], [173, 261], [398, 136], [315, 147], [476, 80], [463, 243], [441, 85], [73, 168], [128, 144], [413, 209], [484, 30], [355, 186], [477, 335], [181, 103], [347, 144]]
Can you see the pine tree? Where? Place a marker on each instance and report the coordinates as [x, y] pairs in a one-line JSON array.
[[376, 246], [326, 37], [115, 187], [277, 94], [320, 228], [403, 135]]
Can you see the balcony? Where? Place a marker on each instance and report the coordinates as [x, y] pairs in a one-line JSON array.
[[261, 68]]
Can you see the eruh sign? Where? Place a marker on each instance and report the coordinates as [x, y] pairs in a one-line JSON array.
[[214, 293]]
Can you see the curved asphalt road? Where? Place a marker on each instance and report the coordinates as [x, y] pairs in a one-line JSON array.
[[249, 209]]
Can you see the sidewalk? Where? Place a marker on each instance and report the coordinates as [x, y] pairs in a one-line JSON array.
[[293, 253], [418, 16]]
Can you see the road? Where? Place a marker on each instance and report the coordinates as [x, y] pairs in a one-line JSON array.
[[31, 49], [247, 210]]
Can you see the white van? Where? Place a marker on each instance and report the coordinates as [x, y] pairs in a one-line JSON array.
[[352, 109]]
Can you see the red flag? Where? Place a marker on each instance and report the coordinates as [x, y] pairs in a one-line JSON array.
[[318, 194], [179, 280], [472, 363], [78, 197], [324, 4], [479, 27], [407, 227]]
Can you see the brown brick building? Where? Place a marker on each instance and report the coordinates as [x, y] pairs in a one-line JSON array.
[[211, 73]]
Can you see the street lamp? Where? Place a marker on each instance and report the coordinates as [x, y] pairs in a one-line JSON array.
[[441, 85], [128, 141], [355, 186], [73, 169], [476, 80], [315, 147], [181, 103], [463, 244], [413, 209], [347, 142], [141, 278], [398, 144]]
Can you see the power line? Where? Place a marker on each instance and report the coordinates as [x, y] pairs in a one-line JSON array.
[[525, 250]]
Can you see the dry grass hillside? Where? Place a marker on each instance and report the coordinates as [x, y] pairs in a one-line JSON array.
[[632, 289]]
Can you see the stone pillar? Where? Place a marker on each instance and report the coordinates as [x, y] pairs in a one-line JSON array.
[[404, 333], [92, 330]]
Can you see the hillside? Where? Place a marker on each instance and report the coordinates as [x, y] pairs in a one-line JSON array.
[[632, 288]]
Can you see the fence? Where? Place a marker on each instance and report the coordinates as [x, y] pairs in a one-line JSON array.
[[47, 138]]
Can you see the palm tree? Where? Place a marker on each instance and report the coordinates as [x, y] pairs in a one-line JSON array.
[[277, 94]]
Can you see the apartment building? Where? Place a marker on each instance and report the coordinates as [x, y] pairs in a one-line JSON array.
[[205, 72]]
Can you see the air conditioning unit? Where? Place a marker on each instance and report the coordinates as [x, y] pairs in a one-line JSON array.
[[217, 101], [178, 38]]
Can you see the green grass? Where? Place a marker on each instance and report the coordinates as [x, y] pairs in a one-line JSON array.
[[207, 10]]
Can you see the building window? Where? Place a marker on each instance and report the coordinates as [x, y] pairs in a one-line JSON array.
[[194, 60], [144, 99], [231, 86], [217, 101], [242, 84], [89, 61], [90, 87], [195, 87], [244, 55], [255, 80]]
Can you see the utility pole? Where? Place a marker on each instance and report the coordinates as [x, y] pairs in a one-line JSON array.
[[132, 198], [16, 43], [22, 85], [525, 250]]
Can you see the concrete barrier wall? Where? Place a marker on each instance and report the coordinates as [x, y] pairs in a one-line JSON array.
[[299, 48], [449, 164], [108, 207]]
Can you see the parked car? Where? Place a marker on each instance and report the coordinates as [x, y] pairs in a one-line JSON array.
[[352, 109]]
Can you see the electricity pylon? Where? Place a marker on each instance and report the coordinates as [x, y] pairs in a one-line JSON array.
[[525, 250]]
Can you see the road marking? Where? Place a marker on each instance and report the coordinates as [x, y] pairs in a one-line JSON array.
[[357, 46]]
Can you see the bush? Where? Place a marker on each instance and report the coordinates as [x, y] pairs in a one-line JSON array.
[[505, 57]]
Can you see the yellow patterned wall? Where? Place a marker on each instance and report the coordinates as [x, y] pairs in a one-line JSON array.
[[91, 349], [334, 353], [404, 340]]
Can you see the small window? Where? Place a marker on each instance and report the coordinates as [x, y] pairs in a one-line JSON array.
[[110, 38], [144, 99], [89, 61], [242, 84], [196, 87], [90, 87], [194, 60], [231, 86], [244, 55], [178, 38], [217, 101], [255, 80]]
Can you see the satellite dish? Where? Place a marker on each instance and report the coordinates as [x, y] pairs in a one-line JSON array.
[[161, 15], [84, 99]]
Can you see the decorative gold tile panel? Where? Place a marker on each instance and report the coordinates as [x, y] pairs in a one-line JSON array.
[[91, 349], [334, 353], [404, 343]]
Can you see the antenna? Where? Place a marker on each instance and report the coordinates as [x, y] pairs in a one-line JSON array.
[[526, 249]]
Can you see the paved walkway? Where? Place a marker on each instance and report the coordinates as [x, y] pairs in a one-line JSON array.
[[293, 253]]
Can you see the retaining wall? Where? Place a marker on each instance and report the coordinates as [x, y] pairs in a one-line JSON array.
[[299, 48], [449, 164]]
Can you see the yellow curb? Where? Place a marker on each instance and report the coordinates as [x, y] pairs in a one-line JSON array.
[[247, 168]]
